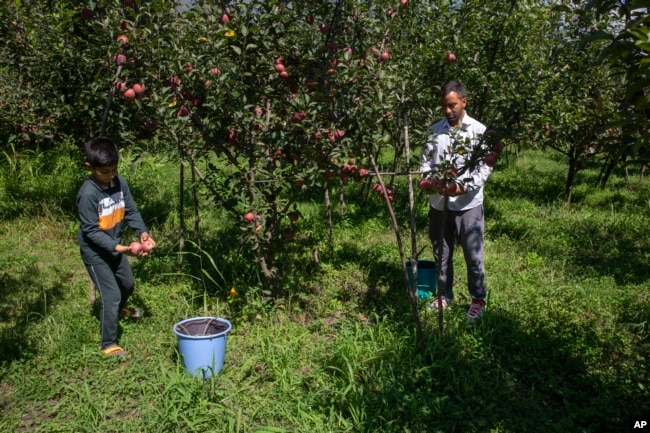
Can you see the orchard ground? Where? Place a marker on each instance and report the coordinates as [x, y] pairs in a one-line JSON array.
[[563, 346]]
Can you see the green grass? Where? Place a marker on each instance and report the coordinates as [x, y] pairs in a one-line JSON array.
[[563, 346]]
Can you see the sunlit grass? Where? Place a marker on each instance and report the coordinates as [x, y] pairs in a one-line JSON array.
[[561, 348]]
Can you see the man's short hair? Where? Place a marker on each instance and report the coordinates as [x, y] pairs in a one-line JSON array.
[[452, 86]]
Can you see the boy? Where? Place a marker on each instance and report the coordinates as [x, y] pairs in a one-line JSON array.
[[104, 203]]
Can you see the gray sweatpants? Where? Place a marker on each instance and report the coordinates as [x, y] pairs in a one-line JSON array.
[[115, 283], [467, 227]]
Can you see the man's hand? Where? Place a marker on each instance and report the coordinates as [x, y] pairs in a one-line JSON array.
[[452, 189]]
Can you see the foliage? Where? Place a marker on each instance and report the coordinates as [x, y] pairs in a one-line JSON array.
[[289, 97], [626, 51]]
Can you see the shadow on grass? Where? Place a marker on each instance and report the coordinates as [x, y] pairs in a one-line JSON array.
[[23, 299], [498, 375]]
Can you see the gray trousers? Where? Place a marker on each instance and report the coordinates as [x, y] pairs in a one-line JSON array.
[[115, 283], [466, 227]]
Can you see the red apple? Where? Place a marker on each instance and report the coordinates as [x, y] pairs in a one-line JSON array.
[[403, 3], [123, 40], [187, 68], [215, 71], [451, 58], [389, 13], [148, 245], [150, 125], [259, 111], [139, 89], [497, 147], [451, 188], [182, 112], [129, 94], [385, 56], [437, 184], [293, 216], [135, 247], [120, 86], [323, 27], [491, 159], [249, 217], [284, 74], [298, 116], [87, 14], [173, 81], [279, 67], [128, 3], [309, 19], [225, 18], [119, 59], [424, 184]]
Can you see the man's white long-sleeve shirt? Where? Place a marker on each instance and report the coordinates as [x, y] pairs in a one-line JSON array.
[[439, 147]]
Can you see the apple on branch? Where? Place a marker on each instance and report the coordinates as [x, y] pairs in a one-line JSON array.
[[139, 89], [123, 40], [129, 94]]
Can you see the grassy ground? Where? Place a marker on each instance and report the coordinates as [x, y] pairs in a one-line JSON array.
[[563, 346]]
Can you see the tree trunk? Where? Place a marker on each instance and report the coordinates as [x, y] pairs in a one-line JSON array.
[[574, 167], [181, 208]]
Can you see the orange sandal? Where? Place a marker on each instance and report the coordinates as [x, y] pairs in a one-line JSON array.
[[131, 313], [114, 350]]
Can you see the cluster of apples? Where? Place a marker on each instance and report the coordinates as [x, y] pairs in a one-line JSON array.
[[137, 90], [281, 68], [380, 190], [146, 246], [130, 93], [351, 170], [493, 156], [433, 185], [332, 136]]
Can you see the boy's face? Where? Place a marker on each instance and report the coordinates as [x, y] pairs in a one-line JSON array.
[[102, 175]]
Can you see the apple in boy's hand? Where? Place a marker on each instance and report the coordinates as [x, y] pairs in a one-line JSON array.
[[148, 245], [135, 247]]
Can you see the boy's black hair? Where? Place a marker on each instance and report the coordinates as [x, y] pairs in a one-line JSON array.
[[101, 152], [453, 86]]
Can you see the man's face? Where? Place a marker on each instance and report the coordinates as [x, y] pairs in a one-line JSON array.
[[453, 107]]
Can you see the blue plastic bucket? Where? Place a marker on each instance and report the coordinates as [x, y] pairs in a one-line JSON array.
[[427, 278], [202, 344]]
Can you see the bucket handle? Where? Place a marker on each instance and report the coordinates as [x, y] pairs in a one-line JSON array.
[[187, 332]]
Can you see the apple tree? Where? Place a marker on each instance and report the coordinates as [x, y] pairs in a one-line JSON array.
[[623, 42]]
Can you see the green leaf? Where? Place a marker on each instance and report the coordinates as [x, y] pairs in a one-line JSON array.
[[236, 49]]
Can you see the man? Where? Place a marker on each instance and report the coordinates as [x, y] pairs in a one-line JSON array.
[[447, 153]]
